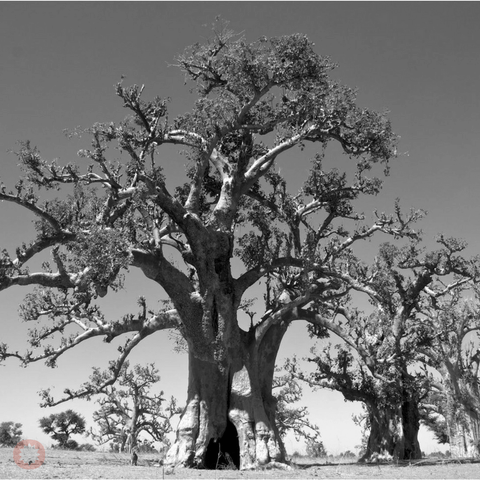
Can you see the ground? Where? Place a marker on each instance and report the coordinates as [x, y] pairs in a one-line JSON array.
[[71, 464]]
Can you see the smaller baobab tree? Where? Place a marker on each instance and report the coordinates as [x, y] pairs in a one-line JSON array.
[[454, 354], [128, 408], [377, 358], [61, 426]]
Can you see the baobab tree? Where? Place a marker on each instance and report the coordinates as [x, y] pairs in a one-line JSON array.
[[377, 359], [128, 408], [454, 355], [257, 103]]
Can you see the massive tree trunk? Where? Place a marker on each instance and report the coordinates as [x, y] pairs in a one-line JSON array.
[[230, 412], [383, 435], [393, 432], [410, 415], [474, 424], [457, 436], [230, 408]]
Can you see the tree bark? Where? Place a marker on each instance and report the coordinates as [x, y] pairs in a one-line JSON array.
[[474, 424], [230, 411], [410, 416], [463, 428], [393, 432], [383, 435]]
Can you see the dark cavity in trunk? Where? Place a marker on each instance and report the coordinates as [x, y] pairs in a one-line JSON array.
[[222, 452]]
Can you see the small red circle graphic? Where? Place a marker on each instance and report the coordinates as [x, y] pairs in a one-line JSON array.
[[29, 454]]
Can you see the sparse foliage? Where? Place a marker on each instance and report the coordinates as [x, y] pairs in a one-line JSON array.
[[290, 415]]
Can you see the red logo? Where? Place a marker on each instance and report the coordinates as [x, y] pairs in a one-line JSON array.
[[29, 454]]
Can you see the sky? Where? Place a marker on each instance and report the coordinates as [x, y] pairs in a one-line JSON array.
[[59, 62]]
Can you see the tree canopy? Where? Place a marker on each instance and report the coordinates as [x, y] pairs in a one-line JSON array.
[[380, 357], [115, 209], [61, 426], [452, 361], [129, 409]]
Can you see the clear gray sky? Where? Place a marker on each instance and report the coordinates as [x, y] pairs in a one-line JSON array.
[[59, 62]]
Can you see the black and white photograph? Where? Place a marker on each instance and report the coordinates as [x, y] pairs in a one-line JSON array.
[[239, 239]]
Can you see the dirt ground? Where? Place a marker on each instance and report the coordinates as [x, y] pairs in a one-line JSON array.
[[93, 465]]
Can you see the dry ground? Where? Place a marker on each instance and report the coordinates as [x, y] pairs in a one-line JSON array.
[[71, 464]]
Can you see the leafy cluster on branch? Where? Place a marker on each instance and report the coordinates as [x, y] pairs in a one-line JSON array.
[[291, 418]]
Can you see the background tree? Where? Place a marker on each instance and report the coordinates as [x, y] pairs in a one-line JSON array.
[[10, 433], [377, 358], [315, 448], [61, 426], [129, 409], [257, 103], [454, 413], [433, 414]]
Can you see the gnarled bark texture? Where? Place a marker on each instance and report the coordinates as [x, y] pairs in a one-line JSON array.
[[230, 412], [393, 432], [463, 426]]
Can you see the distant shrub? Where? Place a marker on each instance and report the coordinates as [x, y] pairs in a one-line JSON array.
[[71, 445], [68, 445], [10, 434], [114, 447], [86, 447], [439, 454], [316, 449]]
